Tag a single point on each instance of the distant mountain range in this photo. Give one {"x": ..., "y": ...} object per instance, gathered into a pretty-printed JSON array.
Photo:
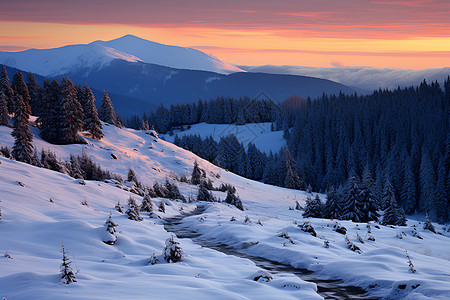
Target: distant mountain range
[
  {"x": 140, "y": 74},
  {"x": 362, "y": 79}
]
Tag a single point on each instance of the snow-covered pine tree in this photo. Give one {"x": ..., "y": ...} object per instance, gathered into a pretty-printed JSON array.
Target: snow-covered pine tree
[
  {"x": 72, "y": 121},
  {"x": 427, "y": 183},
  {"x": 408, "y": 192},
  {"x": 172, "y": 251},
  {"x": 393, "y": 215},
  {"x": 369, "y": 208},
  {"x": 23, "y": 138},
  {"x": 333, "y": 206},
  {"x": 353, "y": 205},
  {"x": 233, "y": 199},
  {"x": 440, "y": 200},
  {"x": 131, "y": 177},
  {"x": 162, "y": 207},
  {"x": 147, "y": 204},
  {"x": 4, "y": 116},
  {"x": 197, "y": 174},
  {"x": 172, "y": 191},
  {"x": 313, "y": 208},
  {"x": 204, "y": 194},
  {"x": 5, "y": 88},
  {"x": 428, "y": 225},
  {"x": 110, "y": 235},
  {"x": 67, "y": 274},
  {"x": 292, "y": 180},
  {"x": 107, "y": 112},
  {"x": 34, "y": 92},
  {"x": 92, "y": 122},
  {"x": 75, "y": 168},
  {"x": 51, "y": 115},
  {"x": 20, "y": 88},
  {"x": 133, "y": 210}
]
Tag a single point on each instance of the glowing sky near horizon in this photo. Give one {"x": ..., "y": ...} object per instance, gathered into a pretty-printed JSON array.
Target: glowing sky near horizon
[{"x": 321, "y": 33}]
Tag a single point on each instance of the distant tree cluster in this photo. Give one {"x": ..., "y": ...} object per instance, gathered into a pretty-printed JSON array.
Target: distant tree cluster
[
  {"x": 216, "y": 111},
  {"x": 279, "y": 169}
]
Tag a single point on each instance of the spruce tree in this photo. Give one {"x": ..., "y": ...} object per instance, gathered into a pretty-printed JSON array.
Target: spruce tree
[
  {"x": 106, "y": 112},
  {"x": 427, "y": 184},
  {"x": 6, "y": 89},
  {"x": 333, "y": 206},
  {"x": 233, "y": 199},
  {"x": 110, "y": 234},
  {"x": 393, "y": 215},
  {"x": 67, "y": 274},
  {"x": 72, "y": 119},
  {"x": 369, "y": 206},
  {"x": 428, "y": 225},
  {"x": 292, "y": 179},
  {"x": 314, "y": 208},
  {"x": 23, "y": 138},
  {"x": 147, "y": 204},
  {"x": 4, "y": 116},
  {"x": 353, "y": 206},
  {"x": 133, "y": 210},
  {"x": 92, "y": 123},
  {"x": 34, "y": 92},
  {"x": 20, "y": 88},
  {"x": 172, "y": 251},
  {"x": 408, "y": 191},
  {"x": 51, "y": 116},
  {"x": 197, "y": 174},
  {"x": 440, "y": 200}
]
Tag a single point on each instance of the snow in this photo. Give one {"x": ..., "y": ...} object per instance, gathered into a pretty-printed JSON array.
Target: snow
[
  {"x": 32, "y": 230},
  {"x": 57, "y": 61},
  {"x": 258, "y": 133}
]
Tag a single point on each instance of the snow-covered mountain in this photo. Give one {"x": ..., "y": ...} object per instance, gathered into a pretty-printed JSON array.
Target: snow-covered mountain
[{"x": 57, "y": 61}]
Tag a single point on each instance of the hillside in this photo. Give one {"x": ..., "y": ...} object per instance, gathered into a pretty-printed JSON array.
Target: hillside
[{"x": 32, "y": 229}]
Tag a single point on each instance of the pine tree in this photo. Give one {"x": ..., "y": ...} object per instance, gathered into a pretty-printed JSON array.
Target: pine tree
[
  {"x": 106, "y": 112},
  {"x": 51, "y": 116},
  {"x": 20, "y": 88},
  {"x": 204, "y": 194},
  {"x": 197, "y": 174},
  {"x": 72, "y": 121},
  {"x": 440, "y": 200},
  {"x": 147, "y": 204},
  {"x": 162, "y": 207},
  {"x": 292, "y": 180},
  {"x": 110, "y": 235},
  {"x": 427, "y": 184},
  {"x": 369, "y": 206},
  {"x": 393, "y": 215},
  {"x": 34, "y": 92},
  {"x": 131, "y": 177},
  {"x": 6, "y": 89},
  {"x": 333, "y": 206},
  {"x": 91, "y": 121},
  {"x": 408, "y": 192},
  {"x": 67, "y": 274},
  {"x": 4, "y": 117},
  {"x": 133, "y": 210},
  {"x": 75, "y": 168},
  {"x": 172, "y": 251},
  {"x": 428, "y": 225},
  {"x": 314, "y": 208},
  {"x": 233, "y": 199},
  {"x": 353, "y": 206},
  {"x": 23, "y": 138}
]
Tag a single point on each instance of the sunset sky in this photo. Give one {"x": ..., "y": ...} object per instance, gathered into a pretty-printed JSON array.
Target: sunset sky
[{"x": 320, "y": 33}]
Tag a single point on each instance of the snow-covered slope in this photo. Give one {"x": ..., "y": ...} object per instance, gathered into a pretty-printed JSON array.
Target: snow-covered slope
[
  {"x": 57, "y": 61},
  {"x": 52, "y": 62},
  {"x": 33, "y": 228},
  {"x": 260, "y": 134}
]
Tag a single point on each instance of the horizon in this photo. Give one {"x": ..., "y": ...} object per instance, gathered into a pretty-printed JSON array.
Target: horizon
[{"x": 379, "y": 34}]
